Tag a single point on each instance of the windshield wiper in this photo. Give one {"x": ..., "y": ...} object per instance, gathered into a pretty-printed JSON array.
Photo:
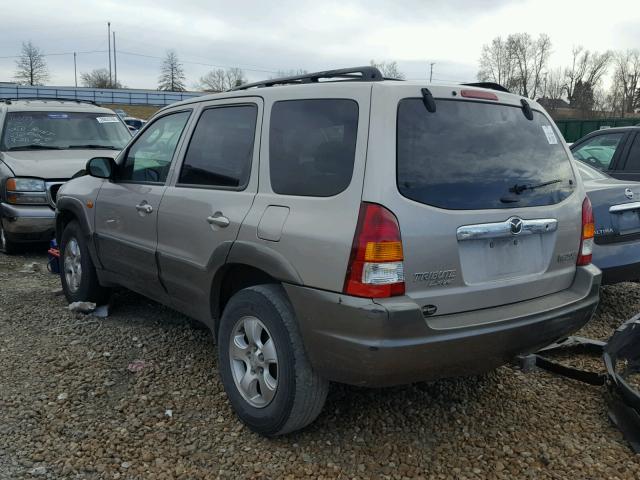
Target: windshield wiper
[
  {"x": 92, "y": 146},
  {"x": 35, "y": 146},
  {"x": 518, "y": 189}
]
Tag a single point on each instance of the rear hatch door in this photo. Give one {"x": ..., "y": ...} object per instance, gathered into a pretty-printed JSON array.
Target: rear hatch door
[{"x": 487, "y": 200}]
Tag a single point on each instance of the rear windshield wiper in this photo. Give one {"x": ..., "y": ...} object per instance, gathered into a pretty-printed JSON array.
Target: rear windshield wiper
[
  {"x": 35, "y": 146},
  {"x": 92, "y": 146},
  {"x": 518, "y": 189}
]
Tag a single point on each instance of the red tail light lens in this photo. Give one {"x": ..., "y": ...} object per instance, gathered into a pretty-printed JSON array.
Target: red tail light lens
[
  {"x": 376, "y": 268},
  {"x": 588, "y": 231}
]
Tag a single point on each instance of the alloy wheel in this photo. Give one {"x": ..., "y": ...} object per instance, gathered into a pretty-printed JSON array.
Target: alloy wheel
[
  {"x": 73, "y": 265},
  {"x": 254, "y": 361}
]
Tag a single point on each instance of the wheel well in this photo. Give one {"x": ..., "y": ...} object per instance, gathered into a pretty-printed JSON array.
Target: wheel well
[
  {"x": 232, "y": 279},
  {"x": 63, "y": 218}
]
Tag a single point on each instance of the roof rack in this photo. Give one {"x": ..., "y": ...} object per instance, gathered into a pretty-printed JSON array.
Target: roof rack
[
  {"x": 44, "y": 99},
  {"x": 355, "y": 74},
  {"x": 488, "y": 85}
]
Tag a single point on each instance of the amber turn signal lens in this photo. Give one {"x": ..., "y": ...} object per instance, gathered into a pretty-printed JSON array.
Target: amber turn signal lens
[{"x": 383, "y": 252}]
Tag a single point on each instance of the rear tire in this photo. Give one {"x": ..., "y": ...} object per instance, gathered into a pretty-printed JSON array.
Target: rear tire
[
  {"x": 6, "y": 246},
  {"x": 276, "y": 400},
  {"x": 77, "y": 272}
]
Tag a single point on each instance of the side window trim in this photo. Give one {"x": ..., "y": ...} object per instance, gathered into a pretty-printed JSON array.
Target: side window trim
[
  {"x": 122, "y": 158},
  {"x": 192, "y": 131}
]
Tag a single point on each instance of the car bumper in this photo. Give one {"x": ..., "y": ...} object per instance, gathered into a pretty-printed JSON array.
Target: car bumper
[
  {"x": 389, "y": 342},
  {"x": 29, "y": 223},
  {"x": 619, "y": 262}
]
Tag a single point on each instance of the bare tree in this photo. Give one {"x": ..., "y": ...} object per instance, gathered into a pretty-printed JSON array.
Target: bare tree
[
  {"x": 530, "y": 59},
  {"x": 553, "y": 88},
  {"x": 626, "y": 81},
  {"x": 519, "y": 63},
  {"x": 294, "y": 72},
  {"x": 586, "y": 70},
  {"x": 98, "y": 78},
  {"x": 31, "y": 67},
  {"x": 172, "y": 77},
  {"x": 388, "y": 69},
  {"x": 221, "y": 80},
  {"x": 496, "y": 63}
]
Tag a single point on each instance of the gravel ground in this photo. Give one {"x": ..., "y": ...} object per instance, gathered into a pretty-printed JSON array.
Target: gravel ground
[{"x": 71, "y": 408}]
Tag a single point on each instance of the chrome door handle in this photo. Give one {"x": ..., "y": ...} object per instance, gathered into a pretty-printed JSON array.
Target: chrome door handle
[
  {"x": 218, "y": 219},
  {"x": 144, "y": 208}
]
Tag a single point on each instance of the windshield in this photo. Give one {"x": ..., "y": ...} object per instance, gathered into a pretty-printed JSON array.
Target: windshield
[
  {"x": 62, "y": 130},
  {"x": 475, "y": 155}
]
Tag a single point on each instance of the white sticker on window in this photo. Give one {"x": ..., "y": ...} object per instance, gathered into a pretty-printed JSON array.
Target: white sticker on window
[
  {"x": 107, "y": 119},
  {"x": 551, "y": 137}
]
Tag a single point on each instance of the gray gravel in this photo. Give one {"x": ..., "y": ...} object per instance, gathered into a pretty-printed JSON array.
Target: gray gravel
[{"x": 137, "y": 395}]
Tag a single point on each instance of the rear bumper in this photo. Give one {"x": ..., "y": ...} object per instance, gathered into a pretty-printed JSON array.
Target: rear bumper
[
  {"x": 619, "y": 262},
  {"x": 28, "y": 223},
  {"x": 389, "y": 342}
]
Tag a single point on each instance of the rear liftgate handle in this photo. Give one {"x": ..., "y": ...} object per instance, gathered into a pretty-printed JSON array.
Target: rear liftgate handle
[{"x": 218, "y": 219}]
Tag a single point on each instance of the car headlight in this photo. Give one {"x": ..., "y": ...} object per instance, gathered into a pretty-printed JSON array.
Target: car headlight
[{"x": 30, "y": 191}]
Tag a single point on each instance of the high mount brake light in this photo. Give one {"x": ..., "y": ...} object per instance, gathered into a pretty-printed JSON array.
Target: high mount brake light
[
  {"x": 376, "y": 268},
  {"x": 586, "y": 238},
  {"x": 478, "y": 94}
]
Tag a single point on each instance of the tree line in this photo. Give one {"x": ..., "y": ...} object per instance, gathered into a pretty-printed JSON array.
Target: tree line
[
  {"x": 31, "y": 69},
  {"x": 520, "y": 63}
]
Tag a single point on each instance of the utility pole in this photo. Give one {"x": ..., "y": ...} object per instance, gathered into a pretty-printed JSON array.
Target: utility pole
[
  {"x": 115, "y": 63},
  {"x": 109, "y": 41},
  {"x": 431, "y": 71},
  {"x": 75, "y": 68}
]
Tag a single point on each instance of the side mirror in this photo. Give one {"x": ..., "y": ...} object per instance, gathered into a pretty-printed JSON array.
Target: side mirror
[{"x": 101, "y": 167}]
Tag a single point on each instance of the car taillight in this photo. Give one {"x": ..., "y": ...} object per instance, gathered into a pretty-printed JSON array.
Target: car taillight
[
  {"x": 588, "y": 230},
  {"x": 376, "y": 268}
]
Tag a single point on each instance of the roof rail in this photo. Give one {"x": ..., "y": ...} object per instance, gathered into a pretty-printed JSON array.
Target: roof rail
[
  {"x": 488, "y": 85},
  {"x": 44, "y": 99},
  {"x": 356, "y": 74}
]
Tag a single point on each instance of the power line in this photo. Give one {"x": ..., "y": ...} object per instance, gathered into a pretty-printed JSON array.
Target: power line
[
  {"x": 57, "y": 54},
  {"x": 123, "y": 52}
]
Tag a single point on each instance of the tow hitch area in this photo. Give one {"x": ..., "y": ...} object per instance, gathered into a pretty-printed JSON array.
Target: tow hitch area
[{"x": 621, "y": 356}]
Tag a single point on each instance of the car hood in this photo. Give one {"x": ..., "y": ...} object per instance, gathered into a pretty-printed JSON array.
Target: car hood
[{"x": 51, "y": 164}]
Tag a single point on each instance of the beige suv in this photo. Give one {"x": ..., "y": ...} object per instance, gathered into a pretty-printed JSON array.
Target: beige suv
[
  {"x": 342, "y": 228},
  {"x": 43, "y": 143}
]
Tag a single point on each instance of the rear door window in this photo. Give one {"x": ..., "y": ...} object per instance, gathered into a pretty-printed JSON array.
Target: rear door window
[
  {"x": 599, "y": 150},
  {"x": 221, "y": 148},
  {"x": 633, "y": 160},
  {"x": 474, "y": 155},
  {"x": 312, "y": 145}
]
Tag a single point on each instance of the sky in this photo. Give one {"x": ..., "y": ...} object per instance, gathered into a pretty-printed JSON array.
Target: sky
[{"x": 264, "y": 37}]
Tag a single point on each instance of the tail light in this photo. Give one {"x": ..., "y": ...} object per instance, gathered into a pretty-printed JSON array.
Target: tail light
[
  {"x": 588, "y": 230},
  {"x": 376, "y": 268}
]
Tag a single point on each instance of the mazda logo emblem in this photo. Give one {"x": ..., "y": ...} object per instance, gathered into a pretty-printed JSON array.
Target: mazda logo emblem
[
  {"x": 628, "y": 193},
  {"x": 516, "y": 225}
]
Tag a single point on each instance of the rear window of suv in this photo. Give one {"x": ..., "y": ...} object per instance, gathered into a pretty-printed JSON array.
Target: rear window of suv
[{"x": 474, "y": 155}]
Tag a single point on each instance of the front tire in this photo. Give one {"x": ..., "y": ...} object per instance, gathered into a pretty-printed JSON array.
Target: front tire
[
  {"x": 77, "y": 272},
  {"x": 264, "y": 368}
]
